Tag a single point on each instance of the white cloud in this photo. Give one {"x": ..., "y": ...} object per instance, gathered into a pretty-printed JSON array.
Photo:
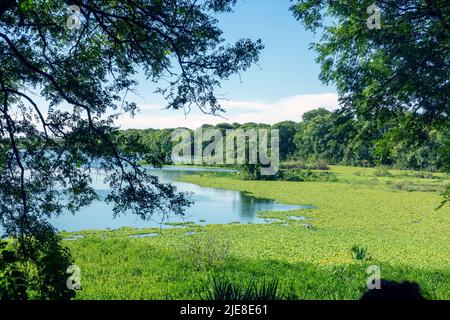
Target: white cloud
[{"x": 289, "y": 108}]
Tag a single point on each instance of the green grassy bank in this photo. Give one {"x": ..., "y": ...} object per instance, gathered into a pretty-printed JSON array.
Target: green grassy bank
[{"x": 403, "y": 233}]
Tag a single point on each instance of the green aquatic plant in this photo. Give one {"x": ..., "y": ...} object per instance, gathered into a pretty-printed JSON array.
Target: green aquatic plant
[
  {"x": 223, "y": 288},
  {"x": 359, "y": 253},
  {"x": 318, "y": 265}
]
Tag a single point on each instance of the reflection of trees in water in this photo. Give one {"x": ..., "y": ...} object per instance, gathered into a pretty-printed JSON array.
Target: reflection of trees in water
[
  {"x": 211, "y": 204},
  {"x": 247, "y": 206},
  {"x": 241, "y": 204},
  {"x": 168, "y": 175}
]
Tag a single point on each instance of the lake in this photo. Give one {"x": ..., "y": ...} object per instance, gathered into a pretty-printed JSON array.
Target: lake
[{"x": 211, "y": 206}]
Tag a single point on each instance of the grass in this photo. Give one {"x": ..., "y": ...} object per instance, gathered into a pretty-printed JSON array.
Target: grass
[{"x": 401, "y": 230}]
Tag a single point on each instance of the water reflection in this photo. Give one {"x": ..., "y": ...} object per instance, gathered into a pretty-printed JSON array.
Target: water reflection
[{"x": 210, "y": 206}]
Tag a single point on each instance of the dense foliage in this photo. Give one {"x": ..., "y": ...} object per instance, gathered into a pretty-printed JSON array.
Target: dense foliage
[
  {"x": 400, "y": 230},
  {"x": 82, "y": 62},
  {"x": 337, "y": 138},
  {"x": 393, "y": 85},
  {"x": 41, "y": 277},
  {"x": 404, "y": 65}
]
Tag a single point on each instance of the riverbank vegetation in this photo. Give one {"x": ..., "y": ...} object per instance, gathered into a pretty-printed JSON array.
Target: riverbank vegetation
[
  {"x": 400, "y": 231},
  {"x": 65, "y": 75},
  {"x": 324, "y": 137}
]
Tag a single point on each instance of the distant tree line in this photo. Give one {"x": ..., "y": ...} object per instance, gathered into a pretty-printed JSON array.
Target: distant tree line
[{"x": 335, "y": 137}]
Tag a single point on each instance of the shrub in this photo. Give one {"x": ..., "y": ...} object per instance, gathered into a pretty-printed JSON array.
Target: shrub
[
  {"x": 382, "y": 172},
  {"x": 301, "y": 164},
  {"x": 305, "y": 175},
  {"x": 410, "y": 186},
  {"x": 12, "y": 279},
  {"x": 43, "y": 276},
  {"x": 403, "y": 185},
  {"x": 424, "y": 175},
  {"x": 321, "y": 165},
  {"x": 206, "y": 252}
]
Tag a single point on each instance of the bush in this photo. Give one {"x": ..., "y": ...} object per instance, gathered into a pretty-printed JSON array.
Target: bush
[
  {"x": 253, "y": 172},
  {"x": 206, "y": 252},
  {"x": 40, "y": 276},
  {"x": 382, "y": 172},
  {"x": 12, "y": 279},
  {"x": 301, "y": 165},
  {"x": 424, "y": 175},
  {"x": 305, "y": 175},
  {"x": 410, "y": 186},
  {"x": 321, "y": 165},
  {"x": 403, "y": 185}
]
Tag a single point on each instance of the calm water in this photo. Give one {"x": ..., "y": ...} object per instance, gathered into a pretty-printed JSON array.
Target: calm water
[{"x": 210, "y": 206}]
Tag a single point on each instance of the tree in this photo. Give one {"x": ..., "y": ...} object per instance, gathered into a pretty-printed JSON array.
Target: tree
[
  {"x": 315, "y": 138},
  {"x": 312, "y": 114},
  {"x": 288, "y": 129},
  {"x": 405, "y": 65},
  {"x": 381, "y": 73},
  {"x": 48, "y": 151},
  {"x": 342, "y": 137},
  {"x": 153, "y": 146}
]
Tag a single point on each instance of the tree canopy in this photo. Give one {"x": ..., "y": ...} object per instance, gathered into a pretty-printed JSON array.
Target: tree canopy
[
  {"x": 404, "y": 65},
  {"x": 380, "y": 73},
  {"x": 83, "y": 64}
]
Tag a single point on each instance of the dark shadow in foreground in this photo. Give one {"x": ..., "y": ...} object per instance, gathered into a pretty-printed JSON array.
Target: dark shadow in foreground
[{"x": 392, "y": 290}]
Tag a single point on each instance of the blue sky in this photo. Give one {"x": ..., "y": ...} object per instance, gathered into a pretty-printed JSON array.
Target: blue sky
[
  {"x": 287, "y": 66},
  {"x": 282, "y": 86}
]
